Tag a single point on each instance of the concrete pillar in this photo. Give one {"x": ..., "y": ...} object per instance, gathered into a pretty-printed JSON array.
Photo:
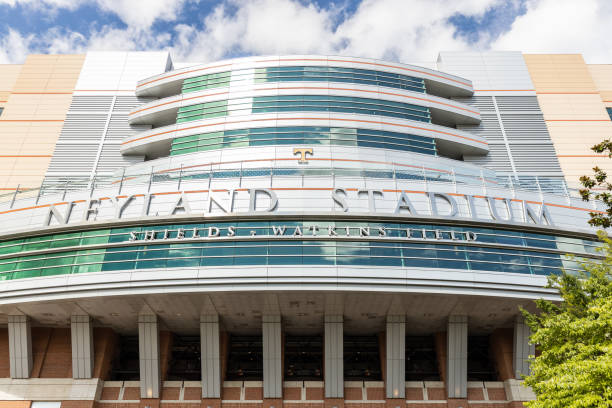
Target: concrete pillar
[
  {"x": 210, "y": 357},
  {"x": 81, "y": 331},
  {"x": 396, "y": 356},
  {"x": 456, "y": 363},
  {"x": 272, "y": 357},
  {"x": 334, "y": 356},
  {"x": 522, "y": 348},
  {"x": 148, "y": 352},
  {"x": 20, "y": 346}
]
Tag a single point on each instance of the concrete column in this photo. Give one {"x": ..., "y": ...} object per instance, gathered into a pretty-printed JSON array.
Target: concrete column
[
  {"x": 456, "y": 363},
  {"x": 334, "y": 356},
  {"x": 148, "y": 352},
  {"x": 272, "y": 356},
  {"x": 522, "y": 348},
  {"x": 20, "y": 346},
  {"x": 81, "y": 331},
  {"x": 396, "y": 356},
  {"x": 210, "y": 356}
]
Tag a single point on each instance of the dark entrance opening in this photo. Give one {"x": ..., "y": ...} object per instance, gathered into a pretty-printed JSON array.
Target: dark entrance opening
[
  {"x": 421, "y": 359},
  {"x": 185, "y": 364},
  {"x": 303, "y": 358},
  {"x": 126, "y": 365},
  {"x": 480, "y": 365},
  {"x": 362, "y": 358},
  {"x": 245, "y": 359}
]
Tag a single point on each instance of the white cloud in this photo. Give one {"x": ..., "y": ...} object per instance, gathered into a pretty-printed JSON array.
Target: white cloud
[
  {"x": 395, "y": 29},
  {"x": 258, "y": 27},
  {"x": 134, "y": 13},
  {"x": 14, "y": 47},
  {"x": 142, "y": 13},
  {"x": 407, "y": 31},
  {"x": 562, "y": 26},
  {"x": 42, "y": 4}
]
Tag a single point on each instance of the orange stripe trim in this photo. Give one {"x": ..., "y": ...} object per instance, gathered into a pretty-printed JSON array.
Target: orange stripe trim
[
  {"x": 316, "y": 59},
  {"x": 318, "y": 87},
  {"x": 567, "y": 93},
  {"x": 368, "y": 91},
  {"x": 504, "y": 90},
  {"x": 582, "y": 155},
  {"x": 41, "y": 93},
  {"x": 277, "y": 119},
  {"x": 25, "y": 155},
  {"x": 293, "y": 158},
  {"x": 577, "y": 120},
  {"x": 31, "y": 120},
  {"x": 374, "y": 64},
  {"x": 178, "y": 101},
  {"x": 181, "y": 73},
  {"x": 103, "y": 90},
  {"x": 301, "y": 189}
]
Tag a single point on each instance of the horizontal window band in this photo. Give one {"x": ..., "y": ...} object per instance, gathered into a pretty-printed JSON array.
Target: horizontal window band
[
  {"x": 350, "y": 229},
  {"x": 300, "y": 103},
  {"x": 326, "y": 60},
  {"x": 378, "y": 122}
]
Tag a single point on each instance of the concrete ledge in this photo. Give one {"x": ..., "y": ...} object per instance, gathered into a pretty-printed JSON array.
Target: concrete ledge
[
  {"x": 49, "y": 389},
  {"x": 516, "y": 390}
]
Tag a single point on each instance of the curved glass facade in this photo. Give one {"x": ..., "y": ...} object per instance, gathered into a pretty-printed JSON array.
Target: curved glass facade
[
  {"x": 303, "y": 135},
  {"x": 305, "y": 74},
  {"x": 292, "y": 243},
  {"x": 304, "y": 103}
]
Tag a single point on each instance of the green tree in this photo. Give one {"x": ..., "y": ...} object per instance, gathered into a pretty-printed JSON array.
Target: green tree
[
  {"x": 574, "y": 337},
  {"x": 598, "y": 187}
]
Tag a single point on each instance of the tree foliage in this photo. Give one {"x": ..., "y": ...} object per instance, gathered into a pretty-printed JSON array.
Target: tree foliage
[
  {"x": 574, "y": 337},
  {"x": 599, "y": 187}
]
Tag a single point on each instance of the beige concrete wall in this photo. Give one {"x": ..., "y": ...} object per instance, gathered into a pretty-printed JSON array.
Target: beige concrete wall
[
  {"x": 8, "y": 76},
  {"x": 573, "y": 109},
  {"x": 602, "y": 77},
  {"x": 33, "y": 116}
]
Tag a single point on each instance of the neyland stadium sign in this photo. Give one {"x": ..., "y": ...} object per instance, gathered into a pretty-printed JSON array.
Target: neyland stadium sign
[{"x": 265, "y": 201}]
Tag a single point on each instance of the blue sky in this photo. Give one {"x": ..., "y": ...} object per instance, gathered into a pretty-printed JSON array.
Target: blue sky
[{"x": 404, "y": 30}]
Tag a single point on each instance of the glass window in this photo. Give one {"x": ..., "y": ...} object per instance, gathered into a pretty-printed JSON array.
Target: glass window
[
  {"x": 314, "y": 103},
  {"x": 245, "y": 358},
  {"x": 529, "y": 253},
  {"x": 303, "y": 358},
  {"x": 361, "y": 358}
]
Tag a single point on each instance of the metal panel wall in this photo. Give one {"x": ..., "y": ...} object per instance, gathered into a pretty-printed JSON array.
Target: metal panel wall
[
  {"x": 334, "y": 356},
  {"x": 20, "y": 346},
  {"x": 396, "y": 356},
  {"x": 512, "y": 121},
  {"x": 522, "y": 348},
  {"x": 272, "y": 356},
  {"x": 91, "y": 137},
  {"x": 148, "y": 352},
  {"x": 81, "y": 331},
  {"x": 456, "y": 341},
  {"x": 210, "y": 357}
]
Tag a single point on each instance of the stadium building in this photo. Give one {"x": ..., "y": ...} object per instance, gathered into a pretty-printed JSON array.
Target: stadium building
[{"x": 287, "y": 231}]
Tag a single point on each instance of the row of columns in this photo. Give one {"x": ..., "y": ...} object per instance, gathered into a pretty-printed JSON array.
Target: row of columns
[{"x": 20, "y": 351}]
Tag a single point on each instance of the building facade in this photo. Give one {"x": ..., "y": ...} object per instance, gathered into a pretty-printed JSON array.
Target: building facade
[{"x": 287, "y": 231}]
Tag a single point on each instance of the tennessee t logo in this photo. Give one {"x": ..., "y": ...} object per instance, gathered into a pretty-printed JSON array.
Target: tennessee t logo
[{"x": 302, "y": 152}]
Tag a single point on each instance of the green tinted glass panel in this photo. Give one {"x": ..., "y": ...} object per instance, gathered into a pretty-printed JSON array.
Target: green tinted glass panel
[
  {"x": 306, "y": 74},
  {"x": 304, "y": 135},
  {"x": 453, "y": 254},
  {"x": 305, "y": 103}
]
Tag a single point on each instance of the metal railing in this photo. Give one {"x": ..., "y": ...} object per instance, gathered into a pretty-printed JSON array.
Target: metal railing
[{"x": 532, "y": 184}]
